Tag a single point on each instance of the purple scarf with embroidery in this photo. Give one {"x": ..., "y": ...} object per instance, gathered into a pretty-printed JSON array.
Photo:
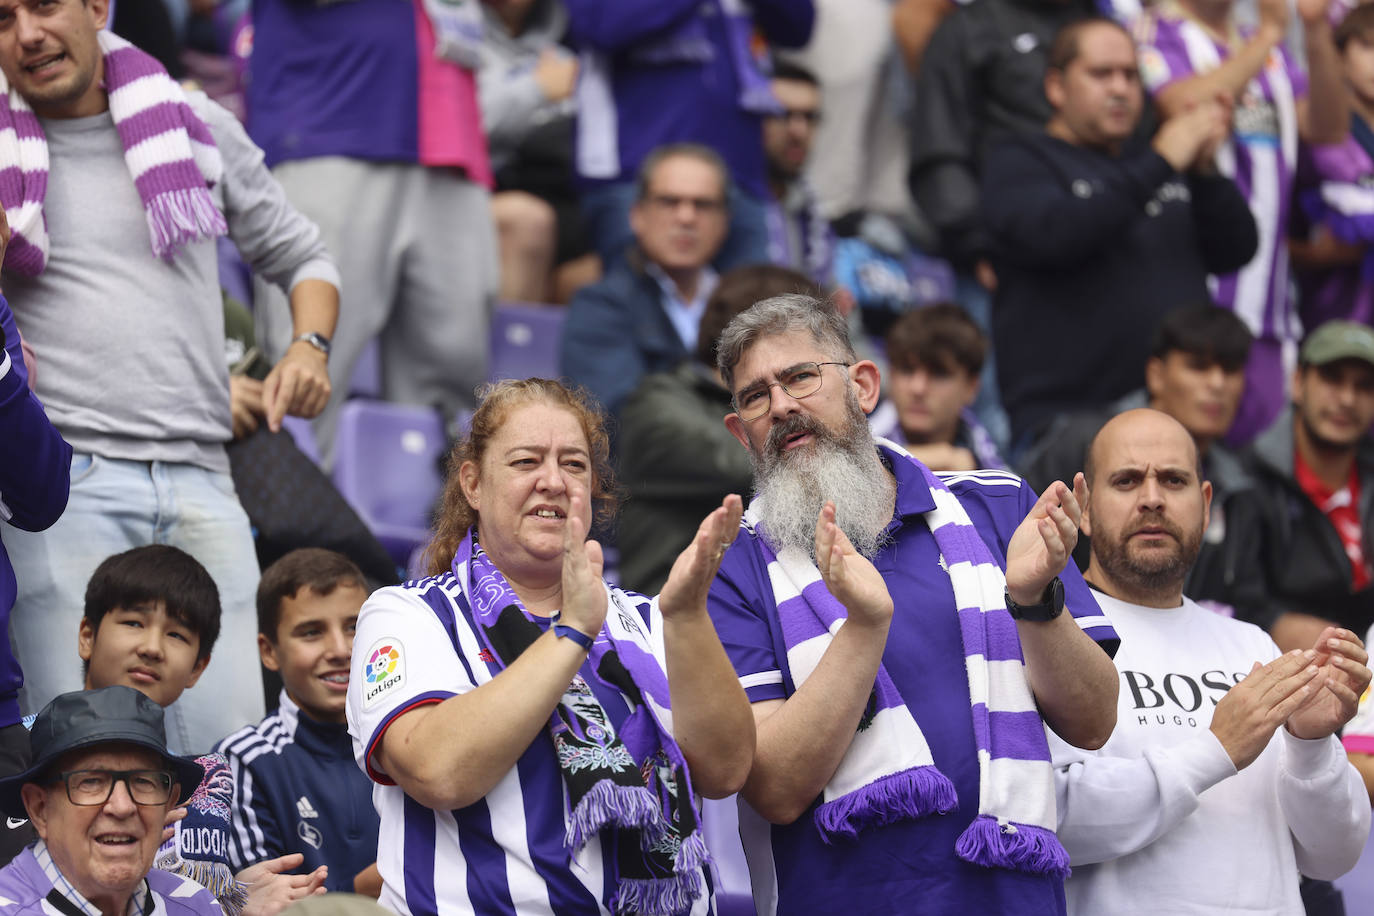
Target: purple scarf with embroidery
[{"x": 630, "y": 785}]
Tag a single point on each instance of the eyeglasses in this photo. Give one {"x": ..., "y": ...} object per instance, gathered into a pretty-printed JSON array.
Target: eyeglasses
[
  {"x": 812, "y": 116},
  {"x": 799, "y": 381},
  {"x": 94, "y": 787},
  {"x": 672, "y": 202}
]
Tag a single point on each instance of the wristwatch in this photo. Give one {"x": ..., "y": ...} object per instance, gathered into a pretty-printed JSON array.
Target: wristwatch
[
  {"x": 1049, "y": 608},
  {"x": 318, "y": 341}
]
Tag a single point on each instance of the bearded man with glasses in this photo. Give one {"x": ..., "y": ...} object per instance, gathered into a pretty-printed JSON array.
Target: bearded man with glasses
[
  {"x": 901, "y": 638},
  {"x": 98, "y": 793}
]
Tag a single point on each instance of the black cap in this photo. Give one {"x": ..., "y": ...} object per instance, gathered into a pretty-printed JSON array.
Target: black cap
[{"x": 89, "y": 718}]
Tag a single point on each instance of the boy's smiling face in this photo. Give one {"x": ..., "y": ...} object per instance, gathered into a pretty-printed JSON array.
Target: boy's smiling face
[
  {"x": 144, "y": 648},
  {"x": 312, "y": 649}
]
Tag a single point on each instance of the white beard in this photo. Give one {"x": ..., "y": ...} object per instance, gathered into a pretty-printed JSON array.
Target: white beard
[{"x": 843, "y": 468}]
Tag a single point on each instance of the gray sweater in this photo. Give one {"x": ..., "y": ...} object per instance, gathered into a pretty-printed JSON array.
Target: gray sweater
[{"x": 132, "y": 346}]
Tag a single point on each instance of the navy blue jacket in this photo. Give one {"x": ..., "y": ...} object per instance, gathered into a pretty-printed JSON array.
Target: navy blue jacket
[
  {"x": 35, "y": 475},
  {"x": 616, "y": 333},
  {"x": 297, "y": 788}
]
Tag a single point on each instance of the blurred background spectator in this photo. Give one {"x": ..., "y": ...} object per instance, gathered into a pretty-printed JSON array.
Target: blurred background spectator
[{"x": 676, "y": 456}]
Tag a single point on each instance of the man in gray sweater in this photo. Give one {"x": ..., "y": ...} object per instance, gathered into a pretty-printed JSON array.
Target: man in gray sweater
[{"x": 113, "y": 280}]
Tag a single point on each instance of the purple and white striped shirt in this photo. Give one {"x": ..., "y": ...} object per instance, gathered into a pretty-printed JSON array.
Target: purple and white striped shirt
[
  {"x": 1260, "y": 156},
  {"x": 417, "y": 644}
]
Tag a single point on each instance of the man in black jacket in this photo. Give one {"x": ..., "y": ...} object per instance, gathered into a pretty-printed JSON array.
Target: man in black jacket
[
  {"x": 1312, "y": 518},
  {"x": 1097, "y": 237},
  {"x": 980, "y": 82}
]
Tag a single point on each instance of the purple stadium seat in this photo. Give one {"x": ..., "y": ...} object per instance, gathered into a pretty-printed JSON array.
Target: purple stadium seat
[
  {"x": 720, "y": 829},
  {"x": 366, "y": 380},
  {"x": 385, "y": 465},
  {"x": 235, "y": 278},
  {"x": 1358, "y": 884},
  {"x": 524, "y": 341}
]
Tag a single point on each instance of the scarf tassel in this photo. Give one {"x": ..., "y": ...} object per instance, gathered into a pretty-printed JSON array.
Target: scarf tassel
[
  {"x": 215, "y": 877},
  {"x": 911, "y": 793},
  {"x": 657, "y": 896},
  {"x": 1021, "y": 847},
  {"x": 691, "y": 854},
  {"x": 181, "y": 216},
  {"x": 609, "y": 805}
]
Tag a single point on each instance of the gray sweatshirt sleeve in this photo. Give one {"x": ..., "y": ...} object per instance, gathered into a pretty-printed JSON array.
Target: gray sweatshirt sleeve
[
  {"x": 274, "y": 237},
  {"x": 510, "y": 98}
]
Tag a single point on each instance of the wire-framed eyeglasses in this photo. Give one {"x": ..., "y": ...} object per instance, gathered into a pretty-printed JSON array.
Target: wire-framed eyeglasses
[
  {"x": 94, "y": 787},
  {"x": 799, "y": 381}
]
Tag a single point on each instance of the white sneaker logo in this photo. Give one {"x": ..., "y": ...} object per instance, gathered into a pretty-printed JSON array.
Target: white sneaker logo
[
  {"x": 14, "y": 823},
  {"x": 305, "y": 809}
]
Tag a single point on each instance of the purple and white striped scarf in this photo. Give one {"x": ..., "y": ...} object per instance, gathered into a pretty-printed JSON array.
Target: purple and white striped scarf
[
  {"x": 888, "y": 773},
  {"x": 632, "y": 784},
  {"x": 169, "y": 151}
]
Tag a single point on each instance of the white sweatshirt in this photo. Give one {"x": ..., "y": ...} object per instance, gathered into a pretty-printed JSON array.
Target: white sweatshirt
[{"x": 1159, "y": 821}]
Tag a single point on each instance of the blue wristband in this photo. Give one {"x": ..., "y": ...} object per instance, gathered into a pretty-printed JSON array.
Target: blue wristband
[{"x": 563, "y": 631}]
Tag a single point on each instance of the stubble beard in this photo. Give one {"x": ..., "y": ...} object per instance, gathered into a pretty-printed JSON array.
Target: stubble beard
[{"x": 1148, "y": 572}]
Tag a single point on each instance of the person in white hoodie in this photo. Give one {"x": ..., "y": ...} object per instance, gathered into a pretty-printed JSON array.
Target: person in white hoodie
[{"x": 1224, "y": 779}]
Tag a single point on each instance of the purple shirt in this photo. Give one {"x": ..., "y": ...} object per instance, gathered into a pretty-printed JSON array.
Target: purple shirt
[
  {"x": 360, "y": 80},
  {"x": 909, "y": 866},
  {"x": 26, "y": 886},
  {"x": 1335, "y": 191},
  {"x": 1260, "y": 156}
]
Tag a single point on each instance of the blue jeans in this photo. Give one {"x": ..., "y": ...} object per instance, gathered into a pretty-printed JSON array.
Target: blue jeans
[
  {"x": 606, "y": 212},
  {"x": 116, "y": 505}
]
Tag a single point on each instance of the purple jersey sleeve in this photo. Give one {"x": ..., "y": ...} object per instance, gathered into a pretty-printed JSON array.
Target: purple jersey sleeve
[
  {"x": 740, "y": 605},
  {"x": 1162, "y": 53}
]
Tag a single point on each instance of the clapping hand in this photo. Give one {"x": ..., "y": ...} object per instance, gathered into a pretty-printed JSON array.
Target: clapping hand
[
  {"x": 695, "y": 568},
  {"x": 1044, "y": 540},
  {"x": 1341, "y": 662},
  {"x": 848, "y": 574}
]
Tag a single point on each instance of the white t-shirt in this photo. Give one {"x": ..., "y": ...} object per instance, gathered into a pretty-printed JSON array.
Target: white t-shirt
[{"x": 1159, "y": 821}]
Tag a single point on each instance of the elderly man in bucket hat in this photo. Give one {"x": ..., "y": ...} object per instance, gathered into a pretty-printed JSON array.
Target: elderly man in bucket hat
[{"x": 98, "y": 793}]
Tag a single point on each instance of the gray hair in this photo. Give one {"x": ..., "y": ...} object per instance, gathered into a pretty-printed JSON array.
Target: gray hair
[
  {"x": 780, "y": 315},
  {"x": 697, "y": 151}
]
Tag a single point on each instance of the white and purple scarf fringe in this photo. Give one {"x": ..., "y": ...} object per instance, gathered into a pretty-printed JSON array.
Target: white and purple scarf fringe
[
  {"x": 644, "y": 733},
  {"x": 888, "y": 773},
  {"x": 168, "y": 149}
]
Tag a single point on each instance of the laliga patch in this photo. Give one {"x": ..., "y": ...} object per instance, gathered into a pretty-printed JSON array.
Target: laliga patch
[
  {"x": 384, "y": 672},
  {"x": 1154, "y": 70}
]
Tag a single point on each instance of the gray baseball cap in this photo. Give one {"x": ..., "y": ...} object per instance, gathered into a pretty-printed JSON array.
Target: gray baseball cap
[
  {"x": 88, "y": 718},
  {"x": 1337, "y": 340}
]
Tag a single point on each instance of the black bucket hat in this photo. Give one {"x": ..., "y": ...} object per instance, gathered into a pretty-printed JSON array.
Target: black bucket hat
[{"x": 87, "y": 718}]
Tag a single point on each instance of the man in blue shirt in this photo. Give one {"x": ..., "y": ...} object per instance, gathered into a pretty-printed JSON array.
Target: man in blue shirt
[{"x": 642, "y": 317}]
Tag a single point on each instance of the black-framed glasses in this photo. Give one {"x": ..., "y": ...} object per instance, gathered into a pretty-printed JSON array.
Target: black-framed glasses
[
  {"x": 94, "y": 787},
  {"x": 799, "y": 381},
  {"x": 671, "y": 203}
]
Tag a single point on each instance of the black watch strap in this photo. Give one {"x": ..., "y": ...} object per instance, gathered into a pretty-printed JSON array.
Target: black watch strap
[{"x": 1048, "y": 609}]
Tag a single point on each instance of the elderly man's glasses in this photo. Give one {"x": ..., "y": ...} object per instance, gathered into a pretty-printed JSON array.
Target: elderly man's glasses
[
  {"x": 94, "y": 787},
  {"x": 800, "y": 381}
]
